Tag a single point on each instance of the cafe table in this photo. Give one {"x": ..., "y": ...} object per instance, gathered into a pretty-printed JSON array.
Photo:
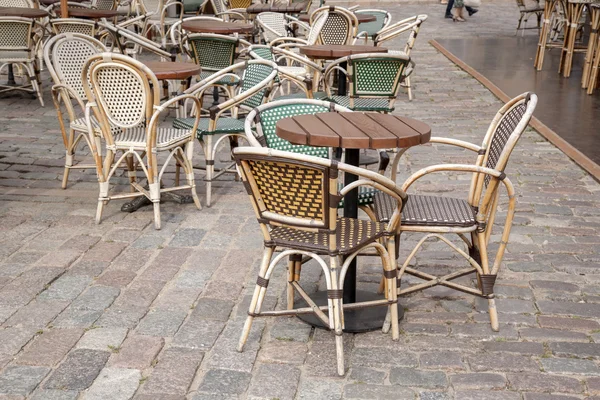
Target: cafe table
[
  {"x": 294, "y": 8},
  {"x": 219, "y": 27},
  {"x": 90, "y": 13},
  {"x": 353, "y": 131},
  {"x": 362, "y": 18}
]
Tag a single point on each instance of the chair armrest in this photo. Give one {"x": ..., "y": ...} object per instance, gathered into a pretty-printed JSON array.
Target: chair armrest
[
  {"x": 237, "y": 14},
  {"x": 288, "y": 41},
  {"x": 448, "y": 168},
  {"x": 295, "y": 57},
  {"x": 72, "y": 95},
  {"x": 455, "y": 142},
  {"x": 177, "y": 99}
]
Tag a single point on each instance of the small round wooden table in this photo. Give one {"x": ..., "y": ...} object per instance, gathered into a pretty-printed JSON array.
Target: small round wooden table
[
  {"x": 222, "y": 28},
  {"x": 90, "y": 13},
  {"x": 294, "y": 8},
  {"x": 333, "y": 52},
  {"x": 353, "y": 131},
  {"x": 23, "y": 12},
  {"x": 173, "y": 70},
  {"x": 362, "y": 18}
]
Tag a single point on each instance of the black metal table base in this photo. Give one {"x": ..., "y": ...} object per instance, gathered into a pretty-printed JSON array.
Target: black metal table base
[
  {"x": 142, "y": 201},
  {"x": 357, "y": 320}
]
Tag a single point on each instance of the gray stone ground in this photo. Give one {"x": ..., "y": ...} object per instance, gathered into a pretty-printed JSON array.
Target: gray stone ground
[{"x": 120, "y": 310}]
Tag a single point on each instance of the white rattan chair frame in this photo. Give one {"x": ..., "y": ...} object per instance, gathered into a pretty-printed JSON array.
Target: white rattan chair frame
[
  {"x": 272, "y": 25},
  {"x": 232, "y": 106},
  {"x": 68, "y": 93},
  {"x": 131, "y": 43},
  {"x": 386, "y": 23},
  {"x": 334, "y": 269},
  {"x": 484, "y": 193},
  {"x": 73, "y": 25},
  {"x": 126, "y": 95},
  {"x": 18, "y": 47}
]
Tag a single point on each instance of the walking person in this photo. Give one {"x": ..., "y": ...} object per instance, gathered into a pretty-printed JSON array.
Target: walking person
[{"x": 450, "y": 5}]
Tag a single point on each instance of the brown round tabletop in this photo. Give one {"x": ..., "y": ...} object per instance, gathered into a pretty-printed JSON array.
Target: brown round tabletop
[
  {"x": 362, "y": 18},
  {"x": 223, "y": 28},
  {"x": 173, "y": 70},
  {"x": 294, "y": 8},
  {"x": 90, "y": 13},
  {"x": 22, "y": 12},
  {"x": 332, "y": 52},
  {"x": 353, "y": 130},
  {"x": 50, "y": 2}
]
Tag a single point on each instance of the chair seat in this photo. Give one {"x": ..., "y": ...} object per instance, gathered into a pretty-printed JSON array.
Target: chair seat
[
  {"x": 363, "y": 104},
  {"x": 352, "y": 234},
  {"x": 168, "y": 20},
  {"x": 224, "y": 125},
  {"x": 294, "y": 71},
  {"x": 16, "y": 55},
  {"x": 166, "y": 138},
  {"x": 366, "y": 195},
  {"x": 426, "y": 210},
  {"x": 229, "y": 81}
]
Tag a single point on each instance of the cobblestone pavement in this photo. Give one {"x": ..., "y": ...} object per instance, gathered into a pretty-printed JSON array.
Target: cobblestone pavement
[{"x": 120, "y": 310}]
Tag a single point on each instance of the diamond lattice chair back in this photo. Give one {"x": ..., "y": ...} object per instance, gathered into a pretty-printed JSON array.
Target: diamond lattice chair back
[
  {"x": 65, "y": 55},
  {"x": 73, "y": 25},
  {"x": 473, "y": 217},
  {"x": 17, "y": 47},
  {"x": 126, "y": 96},
  {"x": 374, "y": 80},
  {"x": 339, "y": 27},
  {"x": 16, "y": 3},
  {"x": 295, "y": 199}
]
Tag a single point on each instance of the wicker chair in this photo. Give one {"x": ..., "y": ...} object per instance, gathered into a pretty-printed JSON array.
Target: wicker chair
[
  {"x": 374, "y": 80},
  {"x": 272, "y": 25},
  {"x": 73, "y": 25},
  {"x": 313, "y": 35},
  {"x": 158, "y": 22},
  {"x": 221, "y": 10},
  {"x": 295, "y": 198},
  {"x": 298, "y": 70},
  {"x": 128, "y": 42},
  {"x": 340, "y": 26},
  {"x": 16, "y": 3},
  {"x": 253, "y": 88},
  {"x": 525, "y": 11},
  {"x": 17, "y": 47},
  {"x": 409, "y": 25},
  {"x": 474, "y": 216},
  {"x": 369, "y": 30},
  {"x": 64, "y": 55},
  {"x": 214, "y": 53},
  {"x": 127, "y": 96}
]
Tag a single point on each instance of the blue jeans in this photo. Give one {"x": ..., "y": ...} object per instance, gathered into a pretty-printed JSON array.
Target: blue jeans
[{"x": 451, "y": 4}]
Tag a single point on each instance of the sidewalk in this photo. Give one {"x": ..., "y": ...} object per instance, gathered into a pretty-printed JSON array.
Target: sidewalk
[{"x": 119, "y": 310}]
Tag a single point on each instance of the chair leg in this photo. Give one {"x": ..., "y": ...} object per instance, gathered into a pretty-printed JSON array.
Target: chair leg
[
  {"x": 257, "y": 298},
  {"x": 519, "y": 25},
  {"x": 493, "y": 315},
  {"x": 210, "y": 168},
  {"x": 338, "y": 316},
  {"x": 33, "y": 80},
  {"x": 189, "y": 172},
  {"x": 290, "y": 286},
  {"x": 68, "y": 164},
  {"x": 409, "y": 88},
  {"x": 390, "y": 268}
]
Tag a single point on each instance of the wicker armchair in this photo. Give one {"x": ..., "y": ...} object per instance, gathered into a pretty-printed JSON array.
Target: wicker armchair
[
  {"x": 254, "y": 87},
  {"x": 158, "y": 22},
  {"x": 295, "y": 198},
  {"x": 126, "y": 41},
  {"x": 408, "y": 26},
  {"x": 272, "y": 25},
  {"x": 127, "y": 96},
  {"x": 17, "y": 47},
  {"x": 475, "y": 216},
  {"x": 221, "y": 10},
  {"x": 340, "y": 25},
  {"x": 64, "y": 55},
  {"x": 526, "y": 10},
  {"x": 299, "y": 70},
  {"x": 74, "y": 25},
  {"x": 369, "y": 30},
  {"x": 374, "y": 80}
]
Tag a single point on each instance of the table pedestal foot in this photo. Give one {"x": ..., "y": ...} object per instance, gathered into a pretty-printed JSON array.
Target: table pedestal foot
[
  {"x": 358, "y": 320},
  {"x": 142, "y": 201}
]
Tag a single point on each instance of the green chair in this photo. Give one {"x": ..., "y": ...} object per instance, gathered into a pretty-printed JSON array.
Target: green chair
[
  {"x": 369, "y": 30},
  {"x": 374, "y": 80},
  {"x": 250, "y": 92}
]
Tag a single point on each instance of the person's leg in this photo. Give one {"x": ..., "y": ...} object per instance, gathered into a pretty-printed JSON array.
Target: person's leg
[
  {"x": 449, "y": 9},
  {"x": 471, "y": 10}
]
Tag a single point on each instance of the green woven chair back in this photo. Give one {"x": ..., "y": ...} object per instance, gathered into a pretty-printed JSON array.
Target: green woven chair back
[
  {"x": 265, "y": 53},
  {"x": 376, "y": 76},
  {"x": 254, "y": 74},
  {"x": 212, "y": 53},
  {"x": 374, "y": 26},
  {"x": 267, "y": 119}
]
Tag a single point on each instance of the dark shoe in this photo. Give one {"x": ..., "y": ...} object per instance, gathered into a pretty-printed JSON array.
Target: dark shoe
[
  {"x": 448, "y": 16},
  {"x": 473, "y": 11},
  {"x": 136, "y": 204}
]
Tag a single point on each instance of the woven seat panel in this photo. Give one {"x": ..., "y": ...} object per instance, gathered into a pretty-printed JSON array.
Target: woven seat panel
[
  {"x": 366, "y": 195},
  {"x": 363, "y": 104},
  {"x": 426, "y": 210},
  {"x": 376, "y": 77},
  {"x": 351, "y": 235},
  {"x": 270, "y": 117},
  {"x": 80, "y": 125},
  {"x": 295, "y": 71},
  {"x": 335, "y": 30},
  {"x": 224, "y": 125},
  {"x": 165, "y": 137},
  {"x": 229, "y": 81},
  {"x": 15, "y": 55},
  {"x": 84, "y": 29}
]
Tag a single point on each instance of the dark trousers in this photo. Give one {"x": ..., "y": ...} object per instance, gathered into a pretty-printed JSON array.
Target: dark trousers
[{"x": 451, "y": 4}]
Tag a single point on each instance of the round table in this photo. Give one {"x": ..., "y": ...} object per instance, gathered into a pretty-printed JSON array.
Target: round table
[
  {"x": 362, "y": 18},
  {"x": 294, "y": 8},
  {"x": 353, "y": 131},
  {"x": 173, "y": 70},
  {"x": 90, "y": 13},
  {"x": 222, "y": 28},
  {"x": 23, "y": 12},
  {"x": 335, "y": 51}
]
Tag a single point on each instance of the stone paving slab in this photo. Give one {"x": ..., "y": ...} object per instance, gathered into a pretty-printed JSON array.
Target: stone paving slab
[{"x": 119, "y": 310}]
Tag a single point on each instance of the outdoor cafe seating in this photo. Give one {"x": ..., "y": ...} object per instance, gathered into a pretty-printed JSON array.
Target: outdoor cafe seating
[{"x": 287, "y": 102}]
